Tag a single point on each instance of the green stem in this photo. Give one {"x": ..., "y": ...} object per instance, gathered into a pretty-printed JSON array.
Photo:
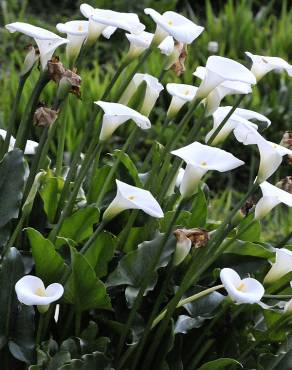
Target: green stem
[
  {"x": 93, "y": 237},
  {"x": 114, "y": 167},
  {"x": 145, "y": 282},
  {"x": 218, "y": 129},
  {"x": 40, "y": 329},
  {"x": 27, "y": 117},
  {"x": 13, "y": 115},
  {"x": 184, "y": 301},
  {"x": 204, "y": 349},
  {"x": 77, "y": 323},
  {"x": 61, "y": 142},
  {"x": 77, "y": 184},
  {"x": 147, "y": 329}
]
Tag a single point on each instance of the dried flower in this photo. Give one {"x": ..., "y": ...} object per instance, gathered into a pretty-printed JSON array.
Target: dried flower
[
  {"x": 285, "y": 184},
  {"x": 287, "y": 143},
  {"x": 44, "y": 116},
  {"x": 56, "y": 69}
]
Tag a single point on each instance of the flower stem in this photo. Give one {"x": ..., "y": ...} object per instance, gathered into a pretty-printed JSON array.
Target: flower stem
[
  {"x": 184, "y": 301},
  {"x": 226, "y": 118},
  {"x": 61, "y": 142},
  {"x": 77, "y": 323},
  {"x": 23, "y": 129},
  {"x": 12, "y": 119},
  {"x": 77, "y": 184},
  {"x": 40, "y": 329},
  {"x": 114, "y": 167},
  {"x": 145, "y": 281}
]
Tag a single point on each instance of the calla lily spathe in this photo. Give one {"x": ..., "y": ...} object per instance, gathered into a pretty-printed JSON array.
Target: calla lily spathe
[
  {"x": 30, "y": 290},
  {"x": 272, "y": 196},
  {"x": 215, "y": 97},
  {"x": 166, "y": 46},
  {"x": 153, "y": 89},
  {"x": 95, "y": 29},
  {"x": 175, "y": 25},
  {"x": 138, "y": 43},
  {"x": 201, "y": 158},
  {"x": 116, "y": 114},
  {"x": 271, "y": 154},
  {"x": 281, "y": 266},
  {"x": 30, "y": 147},
  {"x": 77, "y": 32},
  {"x": 239, "y": 117},
  {"x": 261, "y": 65},
  {"x": 46, "y": 41},
  {"x": 181, "y": 94},
  {"x": 131, "y": 197},
  {"x": 241, "y": 291},
  {"x": 218, "y": 70},
  {"x": 100, "y": 19}
]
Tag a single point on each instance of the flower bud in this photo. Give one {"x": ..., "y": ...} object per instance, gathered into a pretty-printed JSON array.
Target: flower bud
[
  {"x": 31, "y": 57},
  {"x": 44, "y": 116}
]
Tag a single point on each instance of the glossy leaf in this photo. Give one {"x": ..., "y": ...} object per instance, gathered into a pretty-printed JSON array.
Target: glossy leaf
[
  {"x": 50, "y": 193},
  {"x": 84, "y": 289},
  {"x": 12, "y": 177},
  {"x": 199, "y": 210},
  {"x": 50, "y": 266},
  {"x": 129, "y": 165},
  {"x": 220, "y": 364}
]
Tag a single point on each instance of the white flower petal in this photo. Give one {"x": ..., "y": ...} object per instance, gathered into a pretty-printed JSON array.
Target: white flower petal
[
  {"x": 30, "y": 290},
  {"x": 47, "y": 41},
  {"x": 167, "y": 46},
  {"x": 109, "y": 31},
  {"x": 281, "y": 267},
  {"x": 219, "y": 70},
  {"x": 116, "y": 114},
  {"x": 261, "y": 65},
  {"x": 176, "y": 25},
  {"x": 241, "y": 291},
  {"x": 181, "y": 94},
  {"x": 131, "y": 197}
]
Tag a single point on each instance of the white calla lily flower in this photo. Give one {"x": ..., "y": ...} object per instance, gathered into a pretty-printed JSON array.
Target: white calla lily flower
[
  {"x": 30, "y": 290},
  {"x": 218, "y": 70},
  {"x": 215, "y": 97},
  {"x": 108, "y": 18},
  {"x": 239, "y": 117},
  {"x": 261, "y": 65},
  {"x": 201, "y": 158},
  {"x": 271, "y": 154},
  {"x": 241, "y": 291},
  {"x": 46, "y": 41},
  {"x": 116, "y": 114},
  {"x": 281, "y": 266},
  {"x": 95, "y": 29},
  {"x": 77, "y": 32},
  {"x": 272, "y": 196},
  {"x": 138, "y": 43},
  {"x": 181, "y": 94},
  {"x": 153, "y": 89},
  {"x": 166, "y": 47},
  {"x": 175, "y": 25},
  {"x": 30, "y": 147},
  {"x": 131, "y": 197}
]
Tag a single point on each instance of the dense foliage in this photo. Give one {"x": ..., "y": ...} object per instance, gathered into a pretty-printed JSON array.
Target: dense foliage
[{"x": 151, "y": 261}]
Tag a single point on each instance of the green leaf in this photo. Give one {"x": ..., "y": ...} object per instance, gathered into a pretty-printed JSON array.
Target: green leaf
[
  {"x": 12, "y": 177},
  {"x": 27, "y": 206},
  {"x": 101, "y": 252},
  {"x": 246, "y": 248},
  {"x": 130, "y": 166},
  {"x": 95, "y": 360},
  {"x": 79, "y": 225},
  {"x": 99, "y": 176},
  {"x": 50, "y": 266},
  {"x": 50, "y": 193},
  {"x": 16, "y": 322},
  {"x": 84, "y": 289},
  {"x": 253, "y": 233},
  {"x": 199, "y": 211},
  {"x": 134, "y": 266},
  {"x": 181, "y": 220},
  {"x": 186, "y": 323},
  {"x": 220, "y": 364}
]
